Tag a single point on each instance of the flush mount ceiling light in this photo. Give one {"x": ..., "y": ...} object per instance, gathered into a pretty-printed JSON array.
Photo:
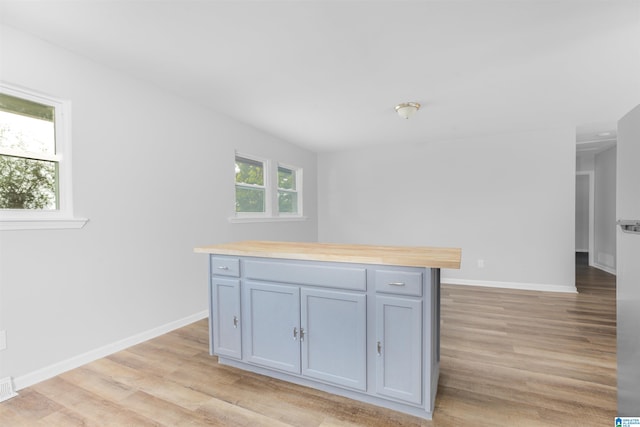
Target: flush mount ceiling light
[{"x": 407, "y": 109}]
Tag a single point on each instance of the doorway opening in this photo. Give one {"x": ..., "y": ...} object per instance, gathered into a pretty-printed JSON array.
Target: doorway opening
[{"x": 595, "y": 192}]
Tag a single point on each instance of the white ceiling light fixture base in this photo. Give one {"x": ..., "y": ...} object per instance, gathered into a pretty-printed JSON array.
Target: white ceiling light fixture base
[{"x": 407, "y": 109}]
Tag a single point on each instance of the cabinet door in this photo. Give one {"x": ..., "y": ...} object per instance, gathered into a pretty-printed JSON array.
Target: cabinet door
[
  {"x": 399, "y": 348},
  {"x": 271, "y": 316},
  {"x": 226, "y": 329},
  {"x": 334, "y": 342}
]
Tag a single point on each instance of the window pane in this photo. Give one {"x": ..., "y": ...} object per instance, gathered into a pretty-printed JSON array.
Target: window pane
[
  {"x": 286, "y": 179},
  {"x": 27, "y": 183},
  {"x": 249, "y": 199},
  {"x": 287, "y": 202},
  {"x": 26, "y": 125},
  {"x": 249, "y": 171}
]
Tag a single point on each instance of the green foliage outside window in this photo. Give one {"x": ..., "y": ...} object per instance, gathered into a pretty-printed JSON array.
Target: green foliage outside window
[
  {"x": 25, "y": 182},
  {"x": 250, "y": 192},
  {"x": 287, "y": 202},
  {"x": 286, "y": 179},
  {"x": 287, "y": 194}
]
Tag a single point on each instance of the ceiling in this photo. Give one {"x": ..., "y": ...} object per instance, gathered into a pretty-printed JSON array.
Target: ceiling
[
  {"x": 326, "y": 74},
  {"x": 594, "y": 139}
]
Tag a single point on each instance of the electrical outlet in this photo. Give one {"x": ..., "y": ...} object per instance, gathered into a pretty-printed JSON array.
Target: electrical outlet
[
  {"x": 3, "y": 340},
  {"x": 480, "y": 263}
]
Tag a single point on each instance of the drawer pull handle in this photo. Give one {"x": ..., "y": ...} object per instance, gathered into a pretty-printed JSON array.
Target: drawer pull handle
[
  {"x": 223, "y": 267},
  {"x": 379, "y": 348},
  {"x": 295, "y": 333},
  {"x": 301, "y": 334},
  {"x": 396, "y": 283},
  {"x": 235, "y": 321}
]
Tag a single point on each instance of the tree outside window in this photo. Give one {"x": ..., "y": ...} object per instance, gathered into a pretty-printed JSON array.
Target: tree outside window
[
  {"x": 287, "y": 191},
  {"x": 29, "y": 167},
  {"x": 250, "y": 188},
  {"x": 266, "y": 190}
]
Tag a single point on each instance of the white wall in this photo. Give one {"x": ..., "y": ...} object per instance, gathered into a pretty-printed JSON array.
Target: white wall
[
  {"x": 582, "y": 213},
  {"x": 154, "y": 175},
  {"x": 585, "y": 163},
  {"x": 506, "y": 199},
  {"x": 605, "y": 210}
]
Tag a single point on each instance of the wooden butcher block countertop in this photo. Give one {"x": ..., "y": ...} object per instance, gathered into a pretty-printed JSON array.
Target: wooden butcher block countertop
[{"x": 410, "y": 256}]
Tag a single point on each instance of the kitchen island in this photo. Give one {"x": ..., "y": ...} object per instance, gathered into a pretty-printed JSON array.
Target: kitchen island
[{"x": 359, "y": 321}]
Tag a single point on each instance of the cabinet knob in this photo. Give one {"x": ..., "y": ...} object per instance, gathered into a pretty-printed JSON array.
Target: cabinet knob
[
  {"x": 396, "y": 284},
  {"x": 295, "y": 333},
  {"x": 235, "y": 321},
  {"x": 223, "y": 267},
  {"x": 379, "y": 348},
  {"x": 301, "y": 334}
]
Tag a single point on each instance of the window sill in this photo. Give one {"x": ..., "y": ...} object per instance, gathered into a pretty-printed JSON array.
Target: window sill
[
  {"x": 42, "y": 223},
  {"x": 242, "y": 219}
]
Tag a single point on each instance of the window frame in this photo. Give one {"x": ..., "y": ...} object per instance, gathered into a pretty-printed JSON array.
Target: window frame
[
  {"x": 271, "y": 213},
  {"x": 62, "y": 217},
  {"x": 266, "y": 186},
  {"x": 297, "y": 173}
]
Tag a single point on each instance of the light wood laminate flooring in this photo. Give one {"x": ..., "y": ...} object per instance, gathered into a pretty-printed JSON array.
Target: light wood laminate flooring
[{"x": 509, "y": 358}]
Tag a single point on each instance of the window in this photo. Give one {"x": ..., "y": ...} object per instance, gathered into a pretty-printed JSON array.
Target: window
[
  {"x": 257, "y": 199},
  {"x": 35, "y": 174},
  {"x": 250, "y": 185},
  {"x": 28, "y": 164},
  {"x": 287, "y": 190}
]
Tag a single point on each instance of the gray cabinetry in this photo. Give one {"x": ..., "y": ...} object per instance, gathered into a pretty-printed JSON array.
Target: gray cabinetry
[
  {"x": 224, "y": 266},
  {"x": 224, "y": 307},
  {"x": 399, "y": 348},
  {"x": 320, "y": 334},
  {"x": 335, "y": 330},
  {"x": 226, "y": 328},
  {"x": 272, "y": 325},
  {"x": 367, "y": 332},
  {"x": 399, "y": 333}
]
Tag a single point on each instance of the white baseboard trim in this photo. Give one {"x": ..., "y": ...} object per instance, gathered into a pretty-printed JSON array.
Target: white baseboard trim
[
  {"x": 82, "y": 359},
  {"x": 512, "y": 285},
  {"x": 604, "y": 268}
]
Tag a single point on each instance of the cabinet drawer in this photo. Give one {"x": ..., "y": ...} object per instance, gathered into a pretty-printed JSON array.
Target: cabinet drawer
[
  {"x": 398, "y": 282},
  {"x": 319, "y": 274},
  {"x": 222, "y": 266}
]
